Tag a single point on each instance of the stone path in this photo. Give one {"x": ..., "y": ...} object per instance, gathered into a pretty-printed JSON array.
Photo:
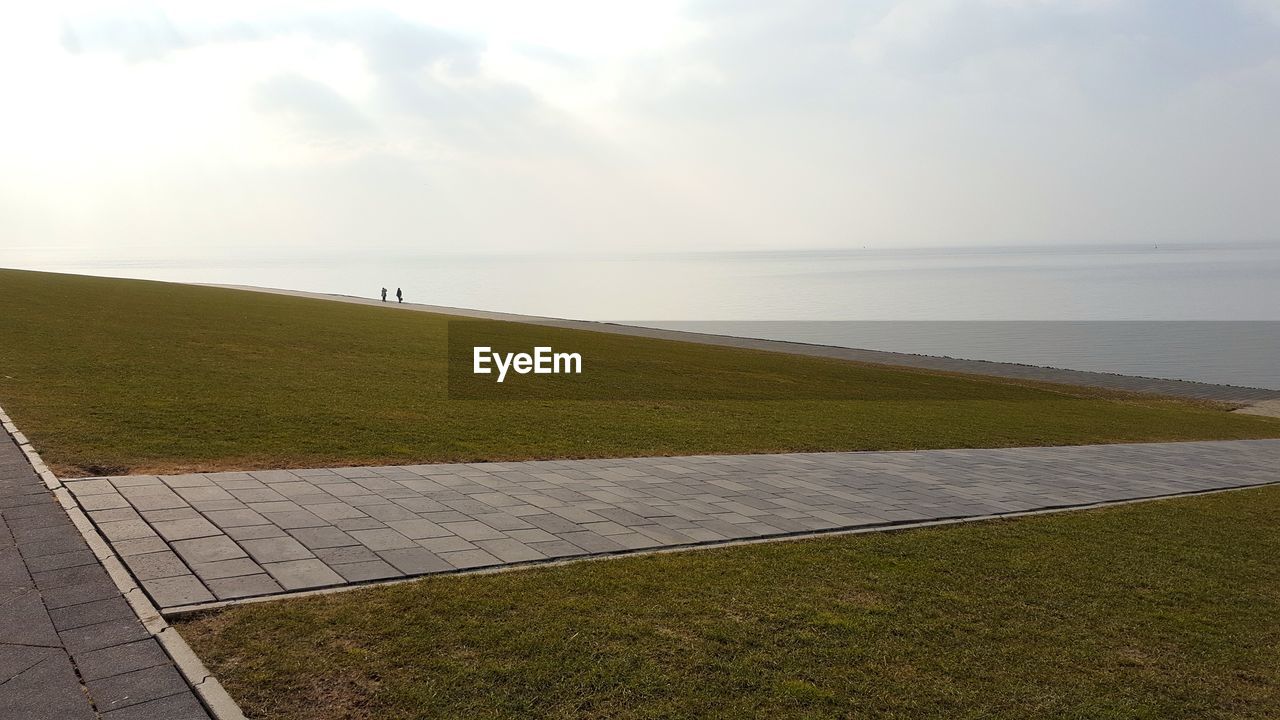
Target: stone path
[
  {"x": 70, "y": 646},
  {"x": 1014, "y": 371},
  {"x": 198, "y": 539}
]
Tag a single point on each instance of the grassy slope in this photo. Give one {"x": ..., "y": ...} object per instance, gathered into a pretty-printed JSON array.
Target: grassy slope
[
  {"x": 113, "y": 375},
  {"x": 1161, "y": 610}
]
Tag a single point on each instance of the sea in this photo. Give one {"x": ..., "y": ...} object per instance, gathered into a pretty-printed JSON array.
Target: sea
[{"x": 1206, "y": 312}]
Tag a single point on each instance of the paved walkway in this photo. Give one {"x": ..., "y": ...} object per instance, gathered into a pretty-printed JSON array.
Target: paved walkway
[
  {"x": 197, "y": 539},
  {"x": 1175, "y": 388},
  {"x": 70, "y": 646}
]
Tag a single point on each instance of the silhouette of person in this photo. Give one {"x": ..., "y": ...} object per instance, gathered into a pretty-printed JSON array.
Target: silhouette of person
[
  {"x": 399, "y": 296},
  {"x": 384, "y": 294}
]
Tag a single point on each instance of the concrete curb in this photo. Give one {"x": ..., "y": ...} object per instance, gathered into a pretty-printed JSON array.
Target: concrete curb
[
  {"x": 182, "y": 611},
  {"x": 207, "y": 688}
]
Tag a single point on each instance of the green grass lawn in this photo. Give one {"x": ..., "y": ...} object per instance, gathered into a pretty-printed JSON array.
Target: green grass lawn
[
  {"x": 1160, "y": 610},
  {"x": 116, "y": 376}
]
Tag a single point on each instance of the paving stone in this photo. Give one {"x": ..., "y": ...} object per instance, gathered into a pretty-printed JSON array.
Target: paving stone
[
  {"x": 558, "y": 549},
  {"x": 295, "y": 519},
  {"x": 591, "y": 542},
  {"x": 335, "y": 511},
  {"x": 156, "y": 565},
  {"x": 119, "y": 659},
  {"x": 448, "y": 516},
  {"x": 236, "y": 518},
  {"x": 446, "y": 544},
  {"x": 473, "y": 530},
  {"x": 140, "y": 546},
  {"x": 25, "y": 621},
  {"x": 211, "y": 549},
  {"x": 243, "y": 586},
  {"x": 47, "y": 508},
  {"x": 186, "y": 480},
  {"x": 608, "y": 528},
  {"x": 15, "y": 504},
  {"x": 104, "y": 634},
  {"x": 276, "y": 506},
  {"x": 233, "y": 481},
  {"x": 635, "y": 541},
  {"x": 418, "y": 529},
  {"x": 61, "y": 560},
  {"x": 196, "y": 494},
  {"x": 174, "y": 591},
  {"x": 577, "y": 515},
  {"x": 697, "y": 534},
  {"x": 503, "y": 521},
  {"x": 136, "y": 481},
  {"x": 387, "y": 512},
  {"x": 16, "y": 659},
  {"x": 206, "y": 506},
  {"x": 255, "y": 532},
  {"x": 38, "y": 535},
  {"x": 339, "y": 555},
  {"x": 464, "y": 559},
  {"x": 102, "y": 502},
  {"x": 183, "y": 706},
  {"x": 512, "y": 551},
  {"x": 181, "y": 513},
  {"x": 136, "y": 491},
  {"x": 490, "y": 513},
  {"x": 126, "y": 530},
  {"x": 322, "y": 537},
  {"x": 664, "y": 535},
  {"x": 267, "y": 550},
  {"x": 61, "y": 604},
  {"x": 113, "y": 515},
  {"x": 61, "y": 597},
  {"x": 300, "y": 574},
  {"x": 48, "y": 690},
  {"x": 138, "y": 686},
  {"x": 157, "y": 501},
  {"x": 51, "y": 579},
  {"x": 364, "y": 523},
  {"x": 415, "y": 560},
  {"x": 225, "y": 568},
  {"x": 256, "y": 495},
  {"x": 45, "y": 517},
  {"x": 91, "y": 487},
  {"x": 382, "y": 539},
  {"x": 367, "y": 570},
  {"x": 420, "y": 504},
  {"x": 533, "y": 535},
  {"x": 172, "y": 530},
  {"x": 551, "y": 523}
]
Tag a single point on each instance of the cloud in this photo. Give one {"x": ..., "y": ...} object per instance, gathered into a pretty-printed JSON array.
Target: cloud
[
  {"x": 829, "y": 53},
  {"x": 420, "y": 74},
  {"x": 145, "y": 34},
  {"x": 314, "y": 106},
  {"x": 758, "y": 124}
]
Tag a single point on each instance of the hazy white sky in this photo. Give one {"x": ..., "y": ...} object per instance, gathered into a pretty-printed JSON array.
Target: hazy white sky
[{"x": 207, "y": 130}]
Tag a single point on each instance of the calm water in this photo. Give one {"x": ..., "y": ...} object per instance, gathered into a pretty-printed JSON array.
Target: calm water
[
  {"x": 809, "y": 289},
  {"x": 1231, "y": 353}
]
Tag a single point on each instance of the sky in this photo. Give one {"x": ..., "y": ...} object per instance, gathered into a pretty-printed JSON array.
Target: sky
[{"x": 202, "y": 131}]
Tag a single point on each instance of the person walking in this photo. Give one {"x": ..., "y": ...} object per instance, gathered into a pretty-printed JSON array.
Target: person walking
[
  {"x": 384, "y": 294},
  {"x": 399, "y": 296}
]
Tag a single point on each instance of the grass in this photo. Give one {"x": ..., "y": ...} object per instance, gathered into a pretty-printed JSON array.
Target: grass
[
  {"x": 1166, "y": 609},
  {"x": 117, "y": 376}
]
